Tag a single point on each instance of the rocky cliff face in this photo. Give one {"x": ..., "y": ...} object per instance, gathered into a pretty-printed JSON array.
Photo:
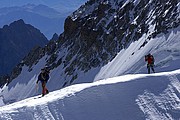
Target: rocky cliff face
[
  {"x": 17, "y": 40},
  {"x": 98, "y": 30}
]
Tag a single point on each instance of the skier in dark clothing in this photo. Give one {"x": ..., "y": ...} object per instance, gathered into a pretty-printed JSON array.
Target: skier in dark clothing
[
  {"x": 150, "y": 62},
  {"x": 43, "y": 77}
]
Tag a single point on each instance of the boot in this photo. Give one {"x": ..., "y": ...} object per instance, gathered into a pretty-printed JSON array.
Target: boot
[{"x": 47, "y": 91}]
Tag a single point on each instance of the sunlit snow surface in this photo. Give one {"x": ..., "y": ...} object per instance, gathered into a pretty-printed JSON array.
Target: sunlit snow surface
[
  {"x": 164, "y": 48},
  {"x": 140, "y": 96}
]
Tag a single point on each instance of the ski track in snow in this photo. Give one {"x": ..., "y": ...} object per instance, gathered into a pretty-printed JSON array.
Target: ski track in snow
[
  {"x": 54, "y": 110},
  {"x": 46, "y": 113},
  {"x": 165, "y": 106}
]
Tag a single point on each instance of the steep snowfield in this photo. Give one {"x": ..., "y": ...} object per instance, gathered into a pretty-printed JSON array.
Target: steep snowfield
[
  {"x": 24, "y": 85},
  {"x": 164, "y": 48},
  {"x": 137, "y": 97}
]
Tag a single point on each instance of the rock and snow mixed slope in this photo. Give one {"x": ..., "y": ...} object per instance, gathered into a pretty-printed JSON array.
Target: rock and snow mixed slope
[
  {"x": 165, "y": 50},
  {"x": 137, "y": 97}
]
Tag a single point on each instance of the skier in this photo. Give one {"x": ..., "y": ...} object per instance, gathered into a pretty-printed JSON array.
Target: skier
[
  {"x": 43, "y": 77},
  {"x": 150, "y": 62}
]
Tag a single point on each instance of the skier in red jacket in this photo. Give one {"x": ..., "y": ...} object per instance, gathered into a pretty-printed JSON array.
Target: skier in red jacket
[{"x": 150, "y": 62}]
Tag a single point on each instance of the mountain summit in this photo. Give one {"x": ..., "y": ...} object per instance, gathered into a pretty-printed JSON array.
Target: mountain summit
[{"x": 17, "y": 39}]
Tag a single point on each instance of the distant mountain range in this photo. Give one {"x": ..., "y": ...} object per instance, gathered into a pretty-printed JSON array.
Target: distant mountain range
[
  {"x": 17, "y": 40},
  {"x": 47, "y": 20},
  {"x": 60, "y": 5},
  {"x": 45, "y": 15}
]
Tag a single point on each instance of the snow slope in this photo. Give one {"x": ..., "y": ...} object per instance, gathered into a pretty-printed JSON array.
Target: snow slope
[
  {"x": 137, "y": 97},
  {"x": 165, "y": 49}
]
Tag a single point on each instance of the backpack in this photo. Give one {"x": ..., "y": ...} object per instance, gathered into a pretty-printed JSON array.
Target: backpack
[
  {"x": 42, "y": 76},
  {"x": 149, "y": 58}
]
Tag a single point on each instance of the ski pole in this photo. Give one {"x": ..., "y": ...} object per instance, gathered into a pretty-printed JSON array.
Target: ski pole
[{"x": 37, "y": 87}]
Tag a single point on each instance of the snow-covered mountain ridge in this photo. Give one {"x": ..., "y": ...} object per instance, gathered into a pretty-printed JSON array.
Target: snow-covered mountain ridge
[{"x": 154, "y": 96}]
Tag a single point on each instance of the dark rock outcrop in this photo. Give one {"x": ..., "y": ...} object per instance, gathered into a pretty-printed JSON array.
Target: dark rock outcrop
[{"x": 17, "y": 40}]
